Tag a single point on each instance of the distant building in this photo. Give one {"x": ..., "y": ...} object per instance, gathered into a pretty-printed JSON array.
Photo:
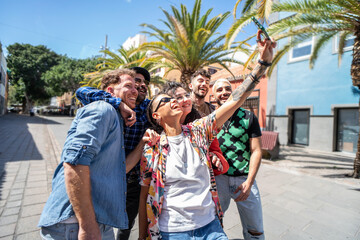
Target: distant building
[
  {"x": 3, "y": 84},
  {"x": 135, "y": 41},
  {"x": 314, "y": 108}
]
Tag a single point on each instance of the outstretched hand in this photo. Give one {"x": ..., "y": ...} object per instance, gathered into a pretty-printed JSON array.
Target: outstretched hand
[{"x": 266, "y": 47}]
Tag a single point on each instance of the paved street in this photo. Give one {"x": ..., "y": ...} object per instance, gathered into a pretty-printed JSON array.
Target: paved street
[{"x": 304, "y": 195}]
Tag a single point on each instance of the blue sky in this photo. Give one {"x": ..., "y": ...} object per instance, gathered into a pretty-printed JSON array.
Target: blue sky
[{"x": 77, "y": 28}]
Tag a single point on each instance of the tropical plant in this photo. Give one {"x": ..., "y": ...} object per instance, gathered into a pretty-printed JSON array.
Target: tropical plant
[
  {"x": 322, "y": 18},
  {"x": 123, "y": 58},
  {"x": 190, "y": 41}
]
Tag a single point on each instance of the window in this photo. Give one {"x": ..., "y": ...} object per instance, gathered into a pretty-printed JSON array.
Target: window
[
  {"x": 302, "y": 51},
  {"x": 349, "y": 44},
  {"x": 300, "y": 127},
  {"x": 347, "y": 129}
]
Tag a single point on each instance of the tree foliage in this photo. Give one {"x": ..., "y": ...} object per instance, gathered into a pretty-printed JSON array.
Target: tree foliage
[
  {"x": 27, "y": 64},
  {"x": 190, "y": 42},
  {"x": 67, "y": 75}
]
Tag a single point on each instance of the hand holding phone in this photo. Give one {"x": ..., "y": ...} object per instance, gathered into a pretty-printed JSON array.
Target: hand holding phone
[{"x": 261, "y": 27}]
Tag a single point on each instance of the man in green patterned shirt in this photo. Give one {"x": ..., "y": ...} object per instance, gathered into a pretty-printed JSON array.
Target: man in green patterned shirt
[{"x": 240, "y": 143}]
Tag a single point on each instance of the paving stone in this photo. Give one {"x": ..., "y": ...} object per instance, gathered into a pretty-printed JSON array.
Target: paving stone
[
  {"x": 10, "y": 237},
  {"x": 15, "y": 197},
  {"x": 34, "y": 199},
  {"x": 29, "y": 236},
  {"x": 11, "y": 204},
  {"x": 34, "y": 191},
  {"x": 20, "y": 185},
  {"x": 11, "y": 211},
  {"x": 37, "y": 178},
  {"x": 27, "y": 224},
  {"x": 320, "y": 231},
  {"x": 7, "y": 230},
  {"x": 36, "y": 184},
  {"x": 5, "y": 220},
  {"x": 31, "y": 210},
  {"x": 16, "y": 191}
]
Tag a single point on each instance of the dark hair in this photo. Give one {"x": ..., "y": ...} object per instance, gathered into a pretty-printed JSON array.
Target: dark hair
[
  {"x": 201, "y": 72},
  {"x": 171, "y": 86},
  {"x": 154, "y": 125},
  {"x": 114, "y": 77},
  {"x": 192, "y": 116}
]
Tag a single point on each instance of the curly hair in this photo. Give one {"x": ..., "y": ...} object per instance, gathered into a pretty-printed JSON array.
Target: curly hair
[
  {"x": 170, "y": 87},
  {"x": 114, "y": 77},
  {"x": 201, "y": 72}
]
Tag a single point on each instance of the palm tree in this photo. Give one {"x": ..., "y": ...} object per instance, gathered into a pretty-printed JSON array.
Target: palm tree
[
  {"x": 124, "y": 58},
  {"x": 190, "y": 41},
  {"x": 322, "y": 18}
]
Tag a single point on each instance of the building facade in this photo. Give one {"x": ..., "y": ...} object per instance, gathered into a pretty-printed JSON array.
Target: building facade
[
  {"x": 315, "y": 107},
  {"x": 3, "y": 84}
]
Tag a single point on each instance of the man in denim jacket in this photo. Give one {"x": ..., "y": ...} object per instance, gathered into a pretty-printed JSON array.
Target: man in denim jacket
[{"x": 88, "y": 195}]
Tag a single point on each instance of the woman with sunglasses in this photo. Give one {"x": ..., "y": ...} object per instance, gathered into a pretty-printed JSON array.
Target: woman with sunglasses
[
  {"x": 190, "y": 114},
  {"x": 178, "y": 196}
]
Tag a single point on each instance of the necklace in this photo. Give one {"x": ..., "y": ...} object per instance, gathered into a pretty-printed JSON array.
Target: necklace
[{"x": 226, "y": 127}]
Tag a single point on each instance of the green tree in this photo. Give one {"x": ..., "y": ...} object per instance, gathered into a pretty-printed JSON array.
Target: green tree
[
  {"x": 190, "y": 41},
  {"x": 122, "y": 58},
  {"x": 67, "y": 75},
  {"x": 322, "y": 18},
  {"x": 27, "y": 64}
]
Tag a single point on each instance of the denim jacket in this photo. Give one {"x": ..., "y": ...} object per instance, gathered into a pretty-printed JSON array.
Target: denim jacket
[{"x": 95, "y": 139}]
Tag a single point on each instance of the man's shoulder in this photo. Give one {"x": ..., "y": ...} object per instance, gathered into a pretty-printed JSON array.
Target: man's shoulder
[{"x": 98, "y": 108}]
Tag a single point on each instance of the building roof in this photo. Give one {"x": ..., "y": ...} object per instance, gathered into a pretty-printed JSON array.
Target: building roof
[{"x": 238, "y": 72}]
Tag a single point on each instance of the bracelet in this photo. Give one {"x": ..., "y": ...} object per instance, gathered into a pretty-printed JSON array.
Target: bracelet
[
  {"x": 253, "y": 78},
  {"x": 266, "y": 64}
]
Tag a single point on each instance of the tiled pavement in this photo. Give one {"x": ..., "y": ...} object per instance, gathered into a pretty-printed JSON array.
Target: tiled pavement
[
  {"x": 297, "y": 202},
  {"x": 26, "y": 168}
]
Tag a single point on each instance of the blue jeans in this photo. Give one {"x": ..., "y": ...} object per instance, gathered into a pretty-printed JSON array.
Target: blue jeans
[
  {"x": 212, "y": 230},
  {"x": 69, "y": 231},
  {"x": 250, "y": 210}
]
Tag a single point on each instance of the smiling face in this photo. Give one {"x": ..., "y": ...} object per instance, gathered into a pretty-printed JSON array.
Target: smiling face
[
  {"x": 141, "y": 87},
  {"x": 166, "y": 109},
  {"x": 200, "y": 86},
  {"x": 125, "y": 90},
  {"x": 184, "y": 100},
  {"x": 222, "y": 92}
]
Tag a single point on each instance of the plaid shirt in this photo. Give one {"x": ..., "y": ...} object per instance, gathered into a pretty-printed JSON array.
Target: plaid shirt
[{"x": 132, "y": 135}]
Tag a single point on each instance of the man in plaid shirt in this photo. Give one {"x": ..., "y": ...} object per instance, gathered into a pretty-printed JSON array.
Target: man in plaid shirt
[{"x": 132, "y": 136}]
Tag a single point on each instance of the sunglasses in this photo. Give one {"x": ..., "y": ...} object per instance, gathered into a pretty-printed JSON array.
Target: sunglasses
[{"x": 163, "y": 100}]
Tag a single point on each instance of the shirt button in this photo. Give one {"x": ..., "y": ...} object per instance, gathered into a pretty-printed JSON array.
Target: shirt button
[
  {"x": 122, "y": 146},
  {"x": 84, "y": 147}
]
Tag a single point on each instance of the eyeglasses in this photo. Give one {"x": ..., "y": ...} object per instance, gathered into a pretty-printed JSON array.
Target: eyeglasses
[{"x": 163, "y": 100}]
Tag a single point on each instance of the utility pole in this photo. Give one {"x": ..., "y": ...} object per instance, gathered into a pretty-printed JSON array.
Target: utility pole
[{"x": 105, "y": 48}]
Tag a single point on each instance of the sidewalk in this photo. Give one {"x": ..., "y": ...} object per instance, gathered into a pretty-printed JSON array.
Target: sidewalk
[{"x": 304, "y": 194}]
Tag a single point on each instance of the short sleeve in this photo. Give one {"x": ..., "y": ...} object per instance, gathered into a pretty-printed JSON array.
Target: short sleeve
[
  {"x": 254, "y": 128},
  {"x": 146, "y": 164}
]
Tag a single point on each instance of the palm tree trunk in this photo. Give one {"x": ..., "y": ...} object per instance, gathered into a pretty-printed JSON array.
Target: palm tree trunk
[
  {"x": 185, "y": 78},
  {"x": 355, "y": 75}
]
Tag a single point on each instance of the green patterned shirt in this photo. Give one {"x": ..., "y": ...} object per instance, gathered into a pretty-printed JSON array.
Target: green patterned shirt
[{"x": 234, "y": 140}]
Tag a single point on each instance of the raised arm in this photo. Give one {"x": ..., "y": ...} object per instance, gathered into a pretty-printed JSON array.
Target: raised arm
[
  {"x": 88, "y": 95},
  {"x": 240, "y": 94}
]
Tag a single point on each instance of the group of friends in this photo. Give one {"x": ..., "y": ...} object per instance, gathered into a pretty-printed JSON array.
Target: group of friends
[{"x": 175, "y": 160}]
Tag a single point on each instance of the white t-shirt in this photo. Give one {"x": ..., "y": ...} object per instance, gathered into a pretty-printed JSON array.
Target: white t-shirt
[{"x": 188, "y": 204}]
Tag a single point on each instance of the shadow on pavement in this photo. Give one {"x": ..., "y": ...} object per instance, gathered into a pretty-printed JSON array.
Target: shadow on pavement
[{"x": 17, "y": 144}]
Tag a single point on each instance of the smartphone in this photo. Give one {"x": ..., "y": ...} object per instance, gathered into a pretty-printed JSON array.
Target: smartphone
[{"x": 261, "y": 27}]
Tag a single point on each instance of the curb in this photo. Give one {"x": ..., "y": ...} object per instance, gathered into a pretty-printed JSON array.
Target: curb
[{"x": 55, "y": 145}]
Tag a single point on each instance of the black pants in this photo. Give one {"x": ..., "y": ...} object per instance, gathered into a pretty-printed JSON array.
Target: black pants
[{"x": 132, "y": 208}]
